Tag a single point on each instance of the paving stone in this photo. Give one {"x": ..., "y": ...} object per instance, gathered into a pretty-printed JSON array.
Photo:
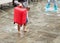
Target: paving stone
[{"x": 44, "y": 27}]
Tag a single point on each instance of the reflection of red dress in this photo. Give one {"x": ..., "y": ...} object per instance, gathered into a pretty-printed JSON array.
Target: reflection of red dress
[{"x": 20, "y": 15}]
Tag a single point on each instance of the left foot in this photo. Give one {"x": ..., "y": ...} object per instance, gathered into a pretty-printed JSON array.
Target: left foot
[
  {"x": 46, "y": 9},
  {"x": 18, "y": 31}
]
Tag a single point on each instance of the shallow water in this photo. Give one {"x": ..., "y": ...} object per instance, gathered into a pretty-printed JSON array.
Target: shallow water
[{"x": 44, "y": 27}]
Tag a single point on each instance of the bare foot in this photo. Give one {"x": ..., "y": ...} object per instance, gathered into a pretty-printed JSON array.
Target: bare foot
[
  {"x": 18, "y": 31},
  {"x": 25, "y": 30}
]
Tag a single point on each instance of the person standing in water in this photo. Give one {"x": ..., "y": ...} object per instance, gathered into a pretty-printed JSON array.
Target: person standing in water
[
  {"x": 48, "y": 5},
  {"x": 25, "y": 5}
]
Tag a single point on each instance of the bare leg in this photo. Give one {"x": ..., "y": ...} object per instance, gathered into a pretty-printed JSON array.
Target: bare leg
[
  {"x": 25, "y": 27},
  {"x": 18, "y": 28}
]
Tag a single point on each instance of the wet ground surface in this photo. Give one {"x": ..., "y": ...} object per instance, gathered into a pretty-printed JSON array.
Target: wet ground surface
[{"x": 44, "y": 27}]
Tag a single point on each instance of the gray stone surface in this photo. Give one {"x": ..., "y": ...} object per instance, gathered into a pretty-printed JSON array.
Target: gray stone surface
[{"x": 44, "y": 27}]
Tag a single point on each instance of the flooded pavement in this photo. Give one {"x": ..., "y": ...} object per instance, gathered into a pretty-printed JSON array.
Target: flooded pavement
[{"x": 44, "y": 27}]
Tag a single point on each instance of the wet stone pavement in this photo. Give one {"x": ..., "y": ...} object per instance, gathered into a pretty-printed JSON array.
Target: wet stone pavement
[{"x": 44, "y": 27}]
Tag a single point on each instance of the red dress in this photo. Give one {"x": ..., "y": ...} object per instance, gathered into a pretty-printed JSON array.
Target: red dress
[{"x": 20, "y": 15}]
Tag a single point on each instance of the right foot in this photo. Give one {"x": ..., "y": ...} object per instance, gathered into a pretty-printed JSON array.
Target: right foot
[{"x": 25, "y": 30}]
